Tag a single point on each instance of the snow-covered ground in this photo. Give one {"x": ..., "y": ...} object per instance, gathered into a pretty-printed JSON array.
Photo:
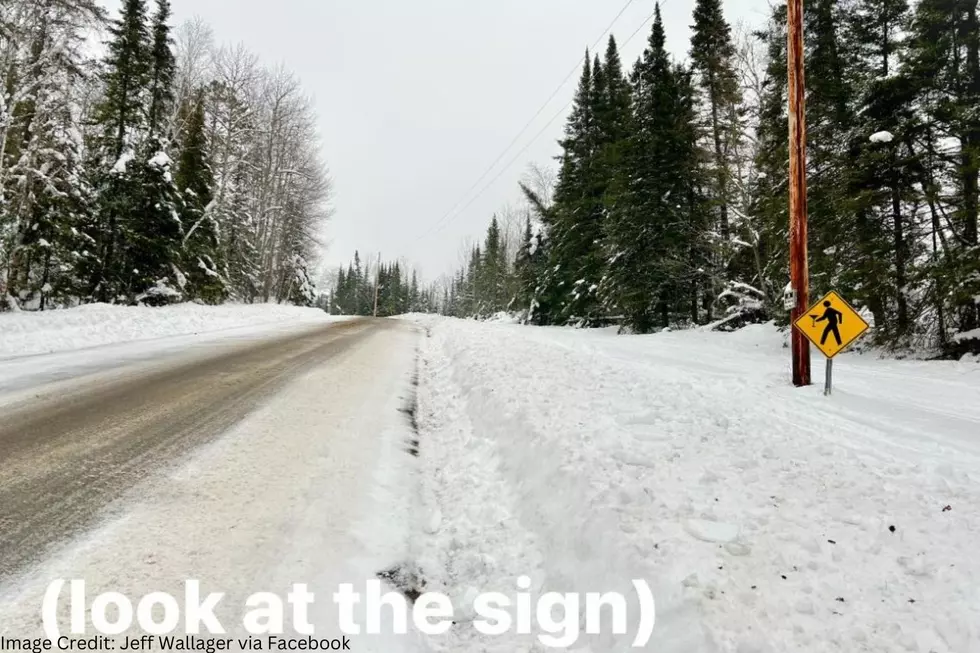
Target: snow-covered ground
[
  {"x": 43, "y": 332},
  {"x": 38, "y": 347},
  {"x": 766, "y": 518}
]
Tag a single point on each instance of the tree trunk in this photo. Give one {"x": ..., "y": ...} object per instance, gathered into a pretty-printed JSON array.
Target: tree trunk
[
  {"x": 970, "y": 164},
  {"x": 901, "y": 255}
]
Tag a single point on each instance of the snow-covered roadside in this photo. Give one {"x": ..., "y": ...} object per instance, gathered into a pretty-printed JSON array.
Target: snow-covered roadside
[
  {"x": 42, "y": 347},
  {"x": 315, "y": 487},
  {"x": 92, "y": 325},
  {"x": 766, "y": 518}
]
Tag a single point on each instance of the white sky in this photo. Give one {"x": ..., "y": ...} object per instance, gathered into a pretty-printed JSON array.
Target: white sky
[{"x": 417, "y": 97}]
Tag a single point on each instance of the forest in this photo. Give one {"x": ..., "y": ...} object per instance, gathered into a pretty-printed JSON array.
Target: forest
[
  {"x": 670, "y": 206},
  {"x": 158, "y": 167},
  {"x": 162, "y": 167},
  {"x": 383, "y": 289}
]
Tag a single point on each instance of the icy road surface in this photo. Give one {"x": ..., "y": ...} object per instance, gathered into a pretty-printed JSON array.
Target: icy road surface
[{"x": 249, "y": 467}]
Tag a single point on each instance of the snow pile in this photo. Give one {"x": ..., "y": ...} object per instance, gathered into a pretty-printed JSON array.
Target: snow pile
[
  {"x": 30, "y": 333},
  {"x": 765, "y": 518}
]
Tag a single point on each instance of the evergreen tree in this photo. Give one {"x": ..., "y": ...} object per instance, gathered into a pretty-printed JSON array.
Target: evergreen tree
[
  {"x": 153, "y": 229},
  {"x": 831, "y": 146},
  {"x": 649, "y": 234},
  {"x": 339, "y": 303},
  {"x": 713, "y": 62},
  {"x": 162, "y": 71},
  {"x": 44, "y": 198},
  {"x": 415, "y": 298},
  {"x": 494, "y": 272},
  {"x": 944, "y": 73},
  {"x": 121, "y": 118},
  {"x": 195, "y": 181},
  {"x": 614, "y": 117},
  {"x": 537, "y": 287},
  {"x": 152, "y": 232},
  {"x": 126, "y": 77},
  {"x": 528, "y": 268},
  {"x": 883, "y": 175},
  {"x": 575, "y": 221}
]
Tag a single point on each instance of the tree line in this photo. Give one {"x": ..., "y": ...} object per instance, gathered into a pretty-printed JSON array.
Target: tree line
[
  {"x": 390, "y": 286},
  {"x": 671, "y": 200},
  {"x": 168, "y": 169}
]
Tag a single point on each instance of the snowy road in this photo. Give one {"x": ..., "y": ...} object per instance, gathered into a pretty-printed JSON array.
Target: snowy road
[
  {"x": 213, "y": 465},
  {"x": 765, "y": 518}
]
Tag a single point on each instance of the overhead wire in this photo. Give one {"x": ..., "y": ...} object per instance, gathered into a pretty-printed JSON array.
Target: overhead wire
[
  {"x": 526, "y": 126},
  {"x": 523, "y": 150}
]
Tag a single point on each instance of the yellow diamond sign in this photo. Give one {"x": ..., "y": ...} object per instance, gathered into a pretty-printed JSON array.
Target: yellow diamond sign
[{"x": 832, "y": 324}]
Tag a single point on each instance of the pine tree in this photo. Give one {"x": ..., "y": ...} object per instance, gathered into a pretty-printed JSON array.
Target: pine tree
[
  {"x": 162, "y": 72},
  {"x": 339, "y": 304},
  {"x": 153, "y": 231},
  {"x": 201, "y": 260},
  {"x": 121, "y": 117},
  {"x": 472, "y": 289},
  {"x": 528, "y": 268},
  {"x": 883, "y": 176},
  {"x": 415, "y": 299},
  {"x": 493, "y": 272},
  {"x": 713, "y": 62},
  {"x": 831, "y": 151},
  {"x": 944, "y": 72},
  {"x": 537, "y": 289},
  {"x": 615, "y": 115},
  {"x": 140, "y": 230},
  {"x": 575, "y": 221},
  {"x": 649, "y": 234},
  {"x": 127, "y": 71},
  {"x": 44, "y": 199}
]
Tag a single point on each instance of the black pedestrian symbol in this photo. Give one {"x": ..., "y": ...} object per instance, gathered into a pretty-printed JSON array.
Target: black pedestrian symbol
[{"x": 834, "y": 318}]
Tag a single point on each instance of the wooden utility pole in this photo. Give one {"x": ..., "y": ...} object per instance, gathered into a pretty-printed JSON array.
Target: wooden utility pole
[
  {"x": 377, "y": 280},
  {"x": 798, "y": 267}
]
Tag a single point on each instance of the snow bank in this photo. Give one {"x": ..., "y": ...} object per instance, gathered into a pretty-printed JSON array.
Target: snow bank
[
  {"x": 766, "y": 518},
  {"x": 30, "y": 333}
]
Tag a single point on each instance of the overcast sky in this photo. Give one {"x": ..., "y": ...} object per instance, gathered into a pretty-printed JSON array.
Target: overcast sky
[{"x": 417, "y": 97}]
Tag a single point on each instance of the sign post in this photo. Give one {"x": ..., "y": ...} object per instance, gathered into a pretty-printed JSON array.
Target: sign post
[
  {"x": 828, "y": 384},
  {"x": 831, "y": 325}
]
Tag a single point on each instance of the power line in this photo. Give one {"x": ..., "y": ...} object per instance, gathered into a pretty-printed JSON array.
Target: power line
[
  {"x": 526, "y": 147},
  {"x": 643, "y": 24},
  {"x": 528, "y": 124}
]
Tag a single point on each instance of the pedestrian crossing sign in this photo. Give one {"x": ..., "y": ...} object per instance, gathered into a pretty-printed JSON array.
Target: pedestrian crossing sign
[{"x": 832, "y": 324}]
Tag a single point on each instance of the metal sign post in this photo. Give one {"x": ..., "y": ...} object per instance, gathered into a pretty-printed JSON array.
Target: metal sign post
[{"x": 828, "y": 383}]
